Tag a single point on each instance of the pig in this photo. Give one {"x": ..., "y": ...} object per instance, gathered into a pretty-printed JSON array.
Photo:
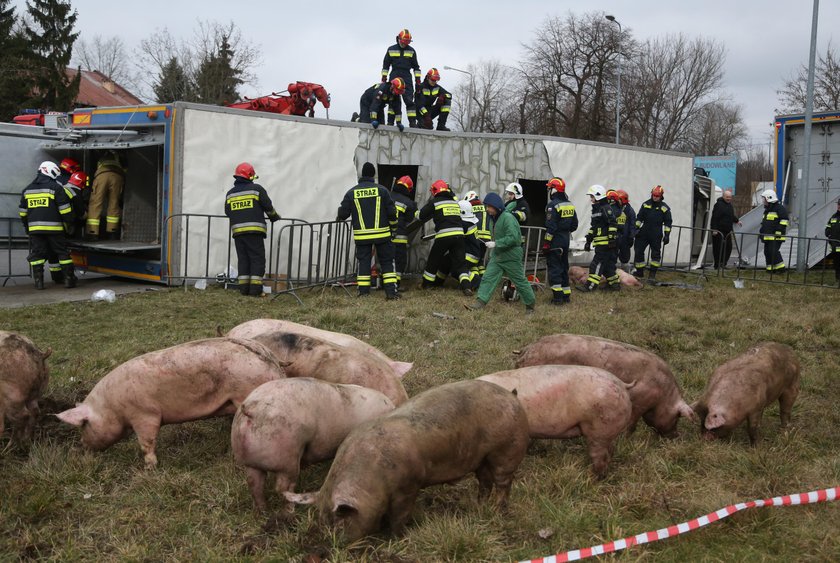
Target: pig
[
  {"x": 305, "y": 356},
  {"x": 580, "y": 276},
  {"x": 252, "y": 328},
  {"x": 288, "y": 422},
  {"x": 439, "y": 436},
  {"x": 656, "y": 396},
  {"x": 190, "y": 381},
  {"x": 741, "y": 388},
  {"x": 23, "y": 379},
  {"x": 572, "y": 401}
]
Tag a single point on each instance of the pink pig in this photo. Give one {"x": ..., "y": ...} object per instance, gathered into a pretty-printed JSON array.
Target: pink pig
[
  {"x": 23, "y": 379},
  {"x": 190, "y": 381}
]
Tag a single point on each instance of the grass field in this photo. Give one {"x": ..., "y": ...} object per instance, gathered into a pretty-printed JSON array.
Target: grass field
[{"x": 60, "y": 502}]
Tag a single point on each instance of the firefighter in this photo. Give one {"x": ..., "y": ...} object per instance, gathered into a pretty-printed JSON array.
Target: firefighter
[
  {"x": 515, "y": 203},
  {"x": 560, "y": 222},
  {"x": 772, "y": 231},
  {"x": 432, "y": 100},
  {"x": 45, "y": 210},
  {"x": 603, "y": 235},
  {"x": 108, "y": 184},
  {"x": 406, "y": 210},
  {"x": 653, "y": 224},
  {"x": 401, "y": 58},
  {"x": 374, "y": 220},
  {"x": 472, "y": 245},
  {"x": 372, "y": 103},
  {"x": 832, "y": 233},
  {"x": 68, "y": 166},
  {"x": 506, "y": 260},
  {"x": 484, "y": 224},
  {"x": 449, "y": 238},
  {"x": 628, "y": 235},
  {"x": 246, "y": 205},
  {"x": 75, "y": 189}
]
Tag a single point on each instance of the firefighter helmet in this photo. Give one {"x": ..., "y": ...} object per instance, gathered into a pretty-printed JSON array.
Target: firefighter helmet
[
  {"x": 433, "y": 75},
  {"x": 471, "y": 196},
  {"x": 770, "y": 196},
  {"x": 398, "y": 86},
  {"x": 404, "y": 37},
  {"x": 657, "y": 191},
  {"x": 515, "y": 189},
  {"x": 439, "y": 186},
  {"x": 597, "y": 191},
  {"x": 623, "y": 198},
  {"x": 245, "y": 170},
  {"x": 509, "y": 292},
  {"x": 612, "y": 195},
  {"x": 467, "y": 213},
  {"x": 69, "y": 165},
  {"x": 556, "y": 185},
  {"x": 407, "y": 182},
  {"x": 78, "y": 179},
  {"x": 49, "y": 168}
]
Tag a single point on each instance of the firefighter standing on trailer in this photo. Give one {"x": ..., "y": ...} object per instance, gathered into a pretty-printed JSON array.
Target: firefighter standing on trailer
[
  {"x": 401, "y": 58},
  {"x": 484, "y": 226},
  {"x": 654, "y": 229},
  {"x": 560, "y": 222},
  {"x": 107, "y": 189},
  {"x": 449, "y": 238},
  {"x": 433, "y": 100},
  {"x": 374, "y": 221},
  {"x": 406, "y": 210},
  {"x": 45, "y": 210},
  {"x": 603, "y": 235},
  {"x": 373, "y": 100},
  {"x": 246, "y": 205},
  {"x": 773, "y": 228}
]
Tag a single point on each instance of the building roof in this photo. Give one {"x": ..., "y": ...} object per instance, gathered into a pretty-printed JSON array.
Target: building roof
[{"x": 96, "y": 89}]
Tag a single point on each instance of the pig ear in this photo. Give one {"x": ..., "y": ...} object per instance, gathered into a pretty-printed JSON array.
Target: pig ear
[
  {"x": 300, "y": 498},
  {"x": 46, "y": 353},
  {"x": 343, "y": 508},
  {"x": 76, "y": 416},
  {"x": 400, "y": 368},
  {"x": 688, "y": 412}
]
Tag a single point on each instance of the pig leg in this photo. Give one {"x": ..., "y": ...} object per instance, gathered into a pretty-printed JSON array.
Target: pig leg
[
  {"x": 147, "y": 430},
  {"x": 400, "y": 509},
  {"x": 284, "y": 482},
  {"x": 753, "y": 422},
  {"x": 600, "y": 453},
  {"x": 786, "y": 400},
  {"x": 256, "y": 483},
  {"x": 489, "y": 476}
]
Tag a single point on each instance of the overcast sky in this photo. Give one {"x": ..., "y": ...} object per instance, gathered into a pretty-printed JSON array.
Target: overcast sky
[{"x": 341, "y": 44}]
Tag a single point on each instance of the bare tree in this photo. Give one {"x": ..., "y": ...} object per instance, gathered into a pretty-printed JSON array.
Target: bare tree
[
  {"x": 668, "y": 82},
  {"x": 568, "y": 70},
  {"x": 108, "y": 56},
  {"x": 717, "y": 129},
  {"x": 486, "y": 101},
  {"x": 154, "y": 58},
  {"x": 826, "y": 85}
]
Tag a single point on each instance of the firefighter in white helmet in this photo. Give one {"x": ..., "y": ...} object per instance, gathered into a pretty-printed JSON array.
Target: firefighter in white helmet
[
  {"x": 773, "y": 228},
  {"x": 603, "y": 235}
]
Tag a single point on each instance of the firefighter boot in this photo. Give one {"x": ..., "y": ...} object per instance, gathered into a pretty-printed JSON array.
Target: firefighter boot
[
  {"x": 38, "y": 276},
  {"x": 256, "y": 290},
  {"x": 441, "y": 126},
  {"x": 69, "y": 276},
  {"x": 557, "y": 298},
  {"x": 244, "y": 288},
  {"x": 652, "y": 274},
  {"x": 56, "y": 274}
]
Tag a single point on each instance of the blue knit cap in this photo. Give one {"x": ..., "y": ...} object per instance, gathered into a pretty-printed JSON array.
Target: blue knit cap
[{"x": 494, "y": 200}]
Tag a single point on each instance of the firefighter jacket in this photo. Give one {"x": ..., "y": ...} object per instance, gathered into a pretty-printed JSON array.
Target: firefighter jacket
[
  {"x": 485, "y": 222},
  {"x": 520, "y": 209},
  {"x": 629, "y": 232},
  {"x": 246, "y": 205},
  {"x": 472, "y": 246},
  {"x": 775, "y": 222},
  {"x": 444, "y": 210},
  {"x": 45, "y": 207},
  {"x": 560, "y": 220},
  {"x": 832, "y": 230},
  {"x": 377, "y": 96},
  {"x": 603, "y": 230},
  {"x": 77, "y": 200},
  {"x": 427, "y": 96},
  {"x": 653, "y": 218},
  {"x": 372, "y": 209},
  {"x": 406, "y": 210},
  {"x": 723, "y": 216},
  {"x": 401, "y": 61}
]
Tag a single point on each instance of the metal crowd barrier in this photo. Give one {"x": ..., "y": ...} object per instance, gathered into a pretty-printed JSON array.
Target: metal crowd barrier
[
  {"x": 15, "y": 244},
  {"x": 316, "y": 255}
]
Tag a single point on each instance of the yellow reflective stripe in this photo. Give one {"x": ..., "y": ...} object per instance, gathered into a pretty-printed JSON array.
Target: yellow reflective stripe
[
  {"x": 450, "y": 233},
  {"x": 772, "y": 215}
]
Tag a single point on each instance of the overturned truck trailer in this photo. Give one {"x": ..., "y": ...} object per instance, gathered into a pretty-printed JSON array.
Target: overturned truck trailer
[{"x": 180, "y": 158}]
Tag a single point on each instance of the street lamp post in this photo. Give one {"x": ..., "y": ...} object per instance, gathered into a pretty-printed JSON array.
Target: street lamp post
[
  {"x": 618, "y": 94},
  {"x": 469, "y": 93}
]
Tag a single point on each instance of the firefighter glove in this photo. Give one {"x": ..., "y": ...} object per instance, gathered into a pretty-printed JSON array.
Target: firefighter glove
[
  {"x": 588, "y": 246},
  {"x": 375, "y": 124},
  {"x": 667, "y": 238},
  {"x": 401, "y": 127},
  {"x": 490, "y": 244},
  {"x": 427, "y": 121}
]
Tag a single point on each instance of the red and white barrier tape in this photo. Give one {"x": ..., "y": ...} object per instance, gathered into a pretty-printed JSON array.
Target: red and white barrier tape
[{"x": 823, "y": 495}]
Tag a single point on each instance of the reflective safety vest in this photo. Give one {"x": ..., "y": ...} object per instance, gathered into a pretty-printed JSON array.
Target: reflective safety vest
[
  {"x": 406, "y": 210},
  {"x": 246, "y": 205},
  {"x": 485, "y": 222},
  {"x": 560, "y": 220},
  {"x": 444, "y": 209},
  {"x": 653, "y": 218},
  {"x": 402, "y": 60},
  {"x": 603, "y": 230},
  {"x": 427, "y": 96},
  {"x": 372, "y": 209},
  {"x": 775, "y": 222},
  {"x": 44, "y": 206}
]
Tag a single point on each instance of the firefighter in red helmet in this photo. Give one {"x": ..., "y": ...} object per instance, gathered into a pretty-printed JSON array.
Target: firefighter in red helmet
[
  {"x": 373, "y": 101},
  {"x": 433, "y": 100},
  {"x": 653, "y": 222},
  {"x": 246, "y": 205},
  {"x": 401, "y": 59},
  {"x": 402, "y": 194},
  {"x": 444, "y": 210}
]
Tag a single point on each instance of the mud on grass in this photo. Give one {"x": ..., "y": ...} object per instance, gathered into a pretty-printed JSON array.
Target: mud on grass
[{"x": 60, "y": 502}]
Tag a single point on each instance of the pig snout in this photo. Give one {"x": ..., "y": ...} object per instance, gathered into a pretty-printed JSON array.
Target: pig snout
[{"x": 714, "y": 420}]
